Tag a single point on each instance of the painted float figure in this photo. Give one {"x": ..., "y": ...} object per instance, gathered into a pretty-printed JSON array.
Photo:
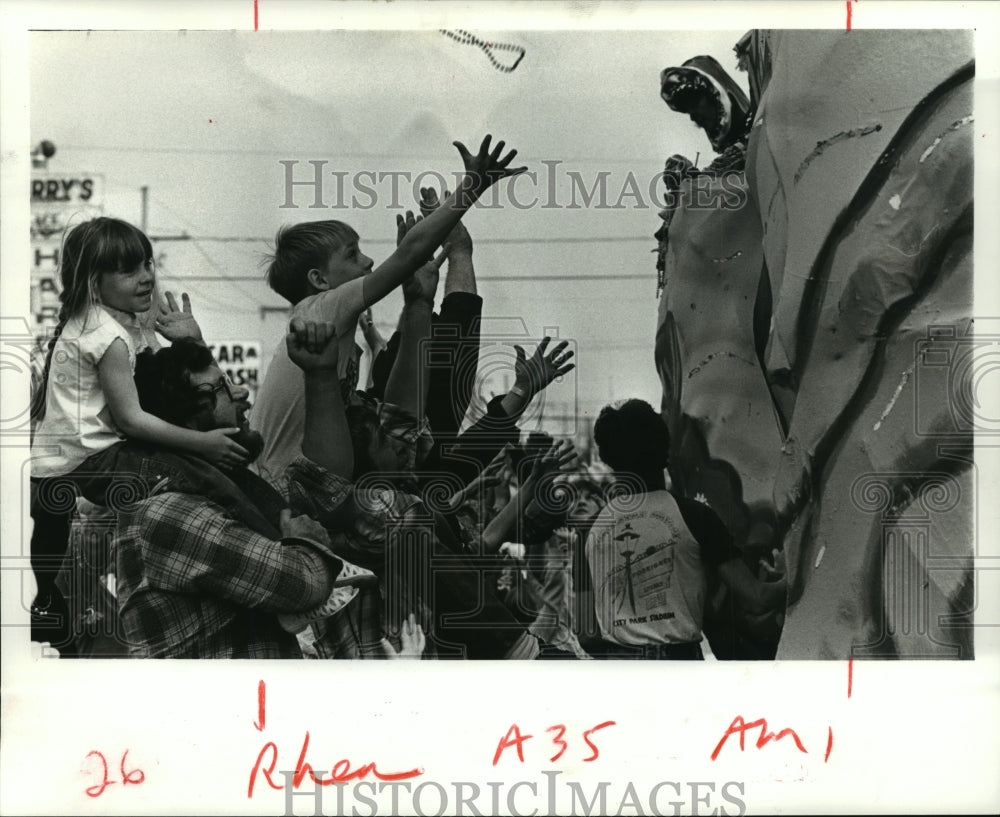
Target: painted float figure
[{"x": 859, "y": 168}]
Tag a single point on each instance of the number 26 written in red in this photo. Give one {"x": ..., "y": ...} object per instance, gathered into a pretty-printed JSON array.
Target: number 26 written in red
[{"x": 133, "y": 776}]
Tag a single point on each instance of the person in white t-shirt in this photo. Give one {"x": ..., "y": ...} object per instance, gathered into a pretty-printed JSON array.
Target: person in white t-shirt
[
  {"x": 86, "y": 400},
  {"x": 649, "y": 551}
]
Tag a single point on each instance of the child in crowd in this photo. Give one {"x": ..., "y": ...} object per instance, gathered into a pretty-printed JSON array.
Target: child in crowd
[
  {"x": 320, "y": 269},
  {"x": 86, "y": 400}
]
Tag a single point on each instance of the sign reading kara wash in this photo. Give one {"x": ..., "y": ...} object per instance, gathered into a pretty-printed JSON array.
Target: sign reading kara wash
[{"x": 240, "y": 362}]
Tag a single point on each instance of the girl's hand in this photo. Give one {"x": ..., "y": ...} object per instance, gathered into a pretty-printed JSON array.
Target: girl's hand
[
  {"x": 175, "y": 323},
  {"x": 486, "y": 168},
  {"x": 222, "y": 451}
]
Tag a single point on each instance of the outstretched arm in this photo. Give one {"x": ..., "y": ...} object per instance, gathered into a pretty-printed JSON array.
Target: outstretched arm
[
  {"x": 461, "y": 275},
  {"x": 326, "y": 441},
  {"x": 533, "y": 375},
  {"x": 407, "y": 383},
  {"x": 115, "y": 376},
  {"x": 752, "y": 594},
  {"x": 482, "y": 171},
  {"x": 560, "y": 456}
]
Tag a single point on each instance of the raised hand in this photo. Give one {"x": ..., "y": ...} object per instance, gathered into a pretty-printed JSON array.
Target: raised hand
[
  {"x": 490, "y": 477},
  {"x": 404, "y": 224},
  {"x": 561, "y": 457},
  {"x": 412, "y": 640},
  {"x": 175, "y": 322},
  {"x": 459, "y": 240},
  {"x": 422, "y": 285},
  {"x": 487, "y": 167},
  {"x": 372, "y": 336},
  {"x": 535, "y": 373},
  {"x": 777, "y": 570},
  {"x": 219, "y": 449},
  {"x": 312, "y": 344}
]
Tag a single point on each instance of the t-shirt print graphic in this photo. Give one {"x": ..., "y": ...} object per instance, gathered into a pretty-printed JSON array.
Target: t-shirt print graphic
[{"x": 645, "y": 574}]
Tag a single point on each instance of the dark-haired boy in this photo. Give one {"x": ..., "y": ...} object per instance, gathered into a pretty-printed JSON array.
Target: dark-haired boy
[{"x": 649, "y": 551}]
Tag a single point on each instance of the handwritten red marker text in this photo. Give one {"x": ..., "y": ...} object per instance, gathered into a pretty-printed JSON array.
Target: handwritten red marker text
[
  {"x": 340, "y": 772},
  {"x": 515, "y": 737},
  {"x": 133, "y": 776}
]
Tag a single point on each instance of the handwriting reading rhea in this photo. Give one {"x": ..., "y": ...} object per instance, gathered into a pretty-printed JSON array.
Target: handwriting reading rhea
[{"x": 341, "y": 771}]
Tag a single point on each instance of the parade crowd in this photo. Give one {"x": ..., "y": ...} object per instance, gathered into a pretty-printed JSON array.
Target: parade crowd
[{"x": 348, "y": 519}]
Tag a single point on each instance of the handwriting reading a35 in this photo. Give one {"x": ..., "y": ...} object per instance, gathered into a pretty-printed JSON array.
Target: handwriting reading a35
[{"x": 515, "y": 737}]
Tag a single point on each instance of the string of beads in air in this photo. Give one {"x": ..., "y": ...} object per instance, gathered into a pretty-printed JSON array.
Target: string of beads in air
[{"x": 463, "y": 37}]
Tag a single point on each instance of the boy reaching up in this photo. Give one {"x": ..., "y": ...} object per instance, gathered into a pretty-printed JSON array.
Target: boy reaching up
[{"x": 319, "y": 267}]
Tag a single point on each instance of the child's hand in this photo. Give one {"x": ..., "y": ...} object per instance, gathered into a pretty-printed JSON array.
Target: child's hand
[
  {"x": 175, "y": 323},
  {"x": 220, "y": 450},
  {"x": 312, "y": 345},
  {"x": 412, "y": 638},
  {"x": 302, "y": 527},
  {"x": 486, "y": 168}
]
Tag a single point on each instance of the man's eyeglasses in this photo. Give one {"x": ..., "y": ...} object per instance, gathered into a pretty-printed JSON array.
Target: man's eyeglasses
[{"x": 205, "y": 390}]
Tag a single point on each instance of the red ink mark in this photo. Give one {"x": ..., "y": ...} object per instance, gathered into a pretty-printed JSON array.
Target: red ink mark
[
  {"x": 557, "y": 739},
  {"x": 739, "y": 726},
  {"x": 98, "y": 790},
  {"x": 254, "y": 15},
  {"x": 268, "y": 771},
  {"x": 506, "y": 742},
  {"x": 134, "y": 777},
  {"x": 849, "y": 14},
  {"x": 342, "y": 773},
  {"x": 261, "y": 695},
  {"x": 829, "y": 743},
  {"x": 850, "y": 676},
  {"x": 586, "y": 737}
]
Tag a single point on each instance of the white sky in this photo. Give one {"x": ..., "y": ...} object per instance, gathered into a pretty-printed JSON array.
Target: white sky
[{"x": 203, "y": 119}]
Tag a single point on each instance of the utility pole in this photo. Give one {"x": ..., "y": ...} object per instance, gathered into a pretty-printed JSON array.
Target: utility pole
[{"x": 144, "y": 218}]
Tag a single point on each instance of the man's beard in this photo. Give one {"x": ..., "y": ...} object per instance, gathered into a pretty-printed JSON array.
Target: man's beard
[{"x": 251, "y": 441}]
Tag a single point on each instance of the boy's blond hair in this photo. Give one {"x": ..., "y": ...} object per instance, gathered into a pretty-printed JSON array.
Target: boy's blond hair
[{"x": 299, "y": 248}]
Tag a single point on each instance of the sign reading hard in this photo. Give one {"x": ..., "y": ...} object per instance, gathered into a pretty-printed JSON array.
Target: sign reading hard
[
  {"x": 240, "y": 362},
  {"x": 58, "y": 201}
]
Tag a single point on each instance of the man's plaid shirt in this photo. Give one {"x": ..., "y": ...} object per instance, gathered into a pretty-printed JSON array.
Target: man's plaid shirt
[{"x": 193, "y": 582}]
